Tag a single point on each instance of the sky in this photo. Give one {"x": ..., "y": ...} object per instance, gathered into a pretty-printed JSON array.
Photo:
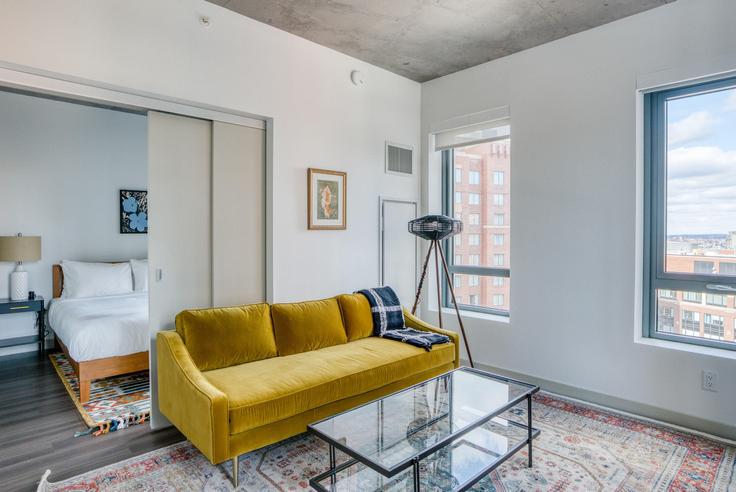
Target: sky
[{"x": 701, "y": 164}]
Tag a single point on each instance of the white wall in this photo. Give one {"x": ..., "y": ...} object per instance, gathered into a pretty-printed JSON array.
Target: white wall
[
  {"x": 320, "y": 119},
  {"x": 575, "y": 257},
  {"x": 61, "y": 168}
]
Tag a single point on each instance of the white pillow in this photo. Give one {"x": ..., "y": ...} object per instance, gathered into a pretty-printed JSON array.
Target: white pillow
[
  {"x": 83, "y": 279},
  {"x": 140, "y": 275}
]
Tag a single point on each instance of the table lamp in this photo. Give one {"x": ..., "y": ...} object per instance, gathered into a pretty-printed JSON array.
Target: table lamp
[{"x": 19, "y": 248}]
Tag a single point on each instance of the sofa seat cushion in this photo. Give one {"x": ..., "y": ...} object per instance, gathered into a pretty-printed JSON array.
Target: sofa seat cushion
[{"x": 274, "y": 389}]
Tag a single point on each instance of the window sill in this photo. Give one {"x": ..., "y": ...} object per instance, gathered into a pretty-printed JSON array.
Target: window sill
[
  {"x": 473, "y": 315},
  {"x": 687, "y": 347}
]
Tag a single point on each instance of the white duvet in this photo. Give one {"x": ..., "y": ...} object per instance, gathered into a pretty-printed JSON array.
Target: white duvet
[{"x": 100, "y": 327}]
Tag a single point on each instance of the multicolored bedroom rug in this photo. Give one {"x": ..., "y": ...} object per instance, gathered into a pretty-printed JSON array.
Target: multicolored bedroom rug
[
  {"x": 581, "y": 449},
  {"x": 115, "y": 403}
]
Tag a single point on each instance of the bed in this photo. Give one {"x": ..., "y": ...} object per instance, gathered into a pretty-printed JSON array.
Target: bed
[{"x": 101, "y": 336}]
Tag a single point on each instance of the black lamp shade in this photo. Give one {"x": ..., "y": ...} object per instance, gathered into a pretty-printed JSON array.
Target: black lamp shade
[{"x": 435, "y": 227}]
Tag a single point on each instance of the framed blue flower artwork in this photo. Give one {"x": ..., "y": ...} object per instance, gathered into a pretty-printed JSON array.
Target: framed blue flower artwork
[{"x": 133, "y": 212}]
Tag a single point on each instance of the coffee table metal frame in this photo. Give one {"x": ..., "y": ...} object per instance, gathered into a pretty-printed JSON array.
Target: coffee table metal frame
[{"x": 414, "y": 461}]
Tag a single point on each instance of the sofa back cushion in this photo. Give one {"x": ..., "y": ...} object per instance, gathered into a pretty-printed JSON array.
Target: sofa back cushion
[
  {"x": 356, "y": 315},
  {"x": 304, "y": 326},
  {"x": 223, "y": 337}
]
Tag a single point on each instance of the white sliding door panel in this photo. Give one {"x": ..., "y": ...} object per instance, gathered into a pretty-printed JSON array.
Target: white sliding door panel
[
  {"x": 399, "y": 249},
  {"x": 238, "y": 214},
  {"x": 179, "y": 243}
]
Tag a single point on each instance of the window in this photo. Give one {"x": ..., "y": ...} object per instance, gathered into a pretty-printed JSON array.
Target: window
[
  {"x": 690, "y": 323},
  {"x": 692, "y": 297},
  {"x": 703, "y": 267},
  {"x": 458, "y": 197},
  {"x": 458, "y": 175},
  {"x": 667, "y": 294},
  {"x": 488, "y": 274},
  {"x": 458, "y": 240},
  {"x": 457, "y": 281},
  {"x": 715, "y": 299},
  {"x": 713, "y": 326},
  {"x": 690, "y": 249},
  {"x": 666, "y": 319}
]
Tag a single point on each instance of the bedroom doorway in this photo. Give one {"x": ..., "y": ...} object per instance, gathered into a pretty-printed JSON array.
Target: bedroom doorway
[
  {"x": 86, "y": 168},
  {"x": 229, "y": 187}
]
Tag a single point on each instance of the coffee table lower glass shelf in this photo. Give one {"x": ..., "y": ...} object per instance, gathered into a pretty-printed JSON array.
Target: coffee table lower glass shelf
[{"x": 444, "y": 434}]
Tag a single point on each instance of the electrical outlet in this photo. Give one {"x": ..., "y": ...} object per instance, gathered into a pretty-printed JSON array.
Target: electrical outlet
[{"x": 710, "y": 381}]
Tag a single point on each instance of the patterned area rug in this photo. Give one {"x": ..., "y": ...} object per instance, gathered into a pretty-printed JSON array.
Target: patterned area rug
[
  {"x": 581, "y": 448},
  {"x": 115, "y": 403}
]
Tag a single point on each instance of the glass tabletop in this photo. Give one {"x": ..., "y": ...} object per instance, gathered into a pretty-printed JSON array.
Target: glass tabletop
[
  {"x": 387, "y": 434},
  {"x": 444, "y": 470}
]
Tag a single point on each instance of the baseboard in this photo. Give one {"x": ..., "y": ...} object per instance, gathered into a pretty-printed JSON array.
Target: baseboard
[{"x": 709, "y": 428}]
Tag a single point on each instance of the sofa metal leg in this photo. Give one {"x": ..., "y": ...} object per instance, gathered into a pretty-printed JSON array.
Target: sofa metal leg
[{"x": 235, "y": 472}]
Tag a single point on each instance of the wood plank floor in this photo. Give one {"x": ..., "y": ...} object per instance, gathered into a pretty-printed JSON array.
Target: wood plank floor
[{"x": 37, "y": 425}]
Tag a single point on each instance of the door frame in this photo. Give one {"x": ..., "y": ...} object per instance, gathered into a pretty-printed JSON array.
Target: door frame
[{"x": 382, "y": 240}]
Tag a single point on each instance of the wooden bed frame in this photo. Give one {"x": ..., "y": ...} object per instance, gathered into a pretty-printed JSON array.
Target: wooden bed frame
[{"x": 98, "y": 368}]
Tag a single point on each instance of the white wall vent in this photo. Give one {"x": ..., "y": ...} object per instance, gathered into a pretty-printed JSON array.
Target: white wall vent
[{"x": 399, "y": 159}]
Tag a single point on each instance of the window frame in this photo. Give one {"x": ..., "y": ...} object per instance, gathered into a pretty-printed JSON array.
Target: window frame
[
  {"x": 655, "y": 219},
  {"x": 448, "y": 193}
]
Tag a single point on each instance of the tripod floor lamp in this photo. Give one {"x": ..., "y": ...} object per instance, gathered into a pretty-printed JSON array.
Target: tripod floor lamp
[{"x": 436, "y": 228}]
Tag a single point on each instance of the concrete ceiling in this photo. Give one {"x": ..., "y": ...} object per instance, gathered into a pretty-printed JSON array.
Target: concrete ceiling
[{"x": 426, "y": 39}]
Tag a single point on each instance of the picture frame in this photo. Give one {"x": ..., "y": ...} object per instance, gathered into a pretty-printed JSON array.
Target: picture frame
[
  {"x": 326, "y": 199},
  {"x": 133, "y": 211}
]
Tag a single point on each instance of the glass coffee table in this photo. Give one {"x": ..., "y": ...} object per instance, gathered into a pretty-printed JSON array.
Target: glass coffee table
[{"x": 446, "y": 433}]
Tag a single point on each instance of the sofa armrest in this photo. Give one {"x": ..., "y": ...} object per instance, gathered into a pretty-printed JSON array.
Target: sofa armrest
[
  {"x": 416, "y": 323},
  {"x": 190, "y": 401}
]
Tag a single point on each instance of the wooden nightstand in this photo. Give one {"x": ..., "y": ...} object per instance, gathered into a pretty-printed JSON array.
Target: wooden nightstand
[{"x": 31, "y": 305}]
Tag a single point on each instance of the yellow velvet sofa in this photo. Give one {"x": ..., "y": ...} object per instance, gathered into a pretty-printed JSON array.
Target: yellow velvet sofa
[{"x": 238, "y": 378}]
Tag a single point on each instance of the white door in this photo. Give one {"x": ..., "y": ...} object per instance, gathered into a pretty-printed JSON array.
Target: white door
[
  {"x": 179, "y": 240},
  {"x": 238, "y": 214},
  {"x": 206, "y": 244},
  {"x": 399, "y": 249}
]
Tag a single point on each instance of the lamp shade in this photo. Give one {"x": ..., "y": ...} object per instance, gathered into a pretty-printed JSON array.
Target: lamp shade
[
  {"x": 435, "y": 227},
  {"x": 20, "y": 248}
]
